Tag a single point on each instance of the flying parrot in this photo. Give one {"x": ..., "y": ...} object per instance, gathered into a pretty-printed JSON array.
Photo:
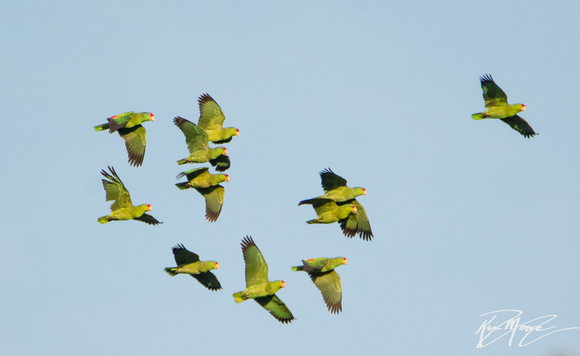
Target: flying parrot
[
  {"x": 189, "y": 263},
  {"x": 199, "y": 150},
  {"x": 258, "y": 287},
  {"x": 122, "y": 208},
  {"x": 129, "y": 127},
  {"x": 498, "y": 108},
  {"x": 335, "y": 189},
  {"x": 321, "y": 271},
  {"x": 211, "y": 119},
  {"x": 207, "y": 185}
]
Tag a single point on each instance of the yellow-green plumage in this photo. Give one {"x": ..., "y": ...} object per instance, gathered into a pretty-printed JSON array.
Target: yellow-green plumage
[
  {"x": 130, "y": 129},
  {"x": 198, "y": 146},
  {"x": 258, "y": 287},
  {"x": 336, "y": 190},
  {"x": 498, "y": 108},
  {"x": 122, "y": 208},
  {"x": 189, "y": 263},
  {"x": 322, "y": 273},
  {"x": 211, "y": 119},
  {"x": 208, "y": 186}
]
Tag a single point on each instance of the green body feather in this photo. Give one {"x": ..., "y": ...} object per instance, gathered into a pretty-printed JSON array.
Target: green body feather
[
  {"x": 258, "y": 287},
  {"x": 129, "y": 127},
  {"x": 198, "y": 146},
  {"x": 322, "y": 273},
  {"x": 188, "y": 263},
  {"x": 122, "y": 208},
  {"x": 498, "y": 108}
]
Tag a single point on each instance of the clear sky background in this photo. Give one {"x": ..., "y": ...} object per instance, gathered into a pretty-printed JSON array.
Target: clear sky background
[{"x": 469, "y": 217}]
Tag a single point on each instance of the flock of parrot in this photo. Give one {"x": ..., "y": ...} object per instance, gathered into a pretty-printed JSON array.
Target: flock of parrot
[{"x": 338, "y": 204}]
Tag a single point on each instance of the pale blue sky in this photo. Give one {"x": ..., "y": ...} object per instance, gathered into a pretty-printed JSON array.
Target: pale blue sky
[{"x": 469, "y": 217}]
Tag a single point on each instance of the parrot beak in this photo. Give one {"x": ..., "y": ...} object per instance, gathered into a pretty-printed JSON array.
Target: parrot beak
[
  {"x": 227, "y": 178},
  {"x": 344, "y": 261},
  {"x": 237, "y": 132},
  {"x": 523, "y": 107},
  {"x": 225, "y": 151},
  {"x": 149, "y": 208},
  {"x": 282, "y": 284},
  {"x": 217, "y": 265},
  {"x": 152, "y": 118},
  {"x": 364, "y": 191}
]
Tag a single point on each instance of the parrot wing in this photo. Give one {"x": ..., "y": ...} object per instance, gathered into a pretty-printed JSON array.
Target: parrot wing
[
  {"x": 135, "y": 141},
  {"x": 276, "y": 307},
  {"x": 115, "y": 190}
]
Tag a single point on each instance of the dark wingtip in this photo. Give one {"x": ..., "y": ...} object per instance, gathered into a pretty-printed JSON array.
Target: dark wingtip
[{"x": 486, "y": 78}]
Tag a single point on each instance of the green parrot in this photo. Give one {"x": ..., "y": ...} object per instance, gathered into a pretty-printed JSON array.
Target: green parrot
[
  {"x": 335, "y": 189},
  {"x": 189, "y": 263},
  {"x": 321, "y": 271},
  {"x": 129, "y": 127},
  {"x": 199, "y": 150},
  {"x": 498, "y": 108},
  {"x": 328, "y": 211},
  {"x": 211, "y": 119},
  {"x": 122, "y": 208},
  {"x": 258, "y": 287},
  {"x": 207, "y": 185}
]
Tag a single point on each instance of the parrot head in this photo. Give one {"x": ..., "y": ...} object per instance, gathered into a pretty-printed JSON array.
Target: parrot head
[{"x": 353, "y": 209}]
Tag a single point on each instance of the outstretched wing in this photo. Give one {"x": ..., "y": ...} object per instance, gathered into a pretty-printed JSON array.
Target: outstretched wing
[
  {"x": 214, "y": 201},
  {"x": 330, "y": 180},
  {"x": 520, "y": 125},
  {"x": 256, "y": 266},
  {"x": 221, "y": 163},
  {"x": 183, "y": 256},
  {"x": 119, "y": 121},
  {"x": 195, "y": 137},
  {"x": 135, "y": 141},
  {"x": 148, "y": 219},
  {"x": 211, "y": 116},
  {"x": 208, "y": 280},
  {"x": 276, "y": 307},
  {"x": 492, "y": 93},
  {"x": 116, "y": 190},
  {"x": 329, "y": 285},
  {"x": 357, "y": 223}
]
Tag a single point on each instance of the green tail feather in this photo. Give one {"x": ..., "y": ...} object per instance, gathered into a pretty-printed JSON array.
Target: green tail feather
[
  {"x": 171, "y": 271},
  {"x": 182, "y": 161},
  {"x": 313, "y": 221},
  {"x": 478, "y": 116},
  {"x": 298, "y": 268},
  {"x": 238, "y": 297},
  {"x": 102, "y": 127},
  {"x": 104, "y": 219},
  {"x": 182, "y": 186}
]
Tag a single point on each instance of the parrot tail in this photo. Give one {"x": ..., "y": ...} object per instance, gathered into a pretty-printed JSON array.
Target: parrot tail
[
  {"x": 307, "y": 201},
  {"x": 171, "y": 271},
  {"x": 104, "y": 219},
  {"x": 313, "y": 221},
  {"x": 182, "y": 186},
  {"x": 239, "y": 297},
  {"x": 102, "y": 127},
  {"x": 478, "y": 116},
  {"x": 182, "y": 161},
  {"x": 298, "y": 268}
]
